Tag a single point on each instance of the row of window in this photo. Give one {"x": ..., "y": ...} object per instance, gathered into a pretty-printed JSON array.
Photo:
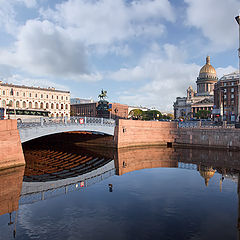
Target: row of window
[
  {"x": 225, "y": 96},
  {"x": 36, "y": 105},
  {"x": 225, "y": 90},
  {"x": 31, "y": 95},
  {"x": 231, "y": 83}
]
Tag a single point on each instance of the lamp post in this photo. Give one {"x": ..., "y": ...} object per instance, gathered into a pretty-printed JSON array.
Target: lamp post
[{"x": 237, "y": 18}]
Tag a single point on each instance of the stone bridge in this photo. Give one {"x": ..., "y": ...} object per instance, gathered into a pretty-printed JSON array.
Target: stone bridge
[{"x": 34, "y": 128}]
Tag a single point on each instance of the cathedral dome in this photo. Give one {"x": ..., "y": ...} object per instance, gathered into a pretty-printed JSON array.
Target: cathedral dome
[{"x": 207, "y": 71}]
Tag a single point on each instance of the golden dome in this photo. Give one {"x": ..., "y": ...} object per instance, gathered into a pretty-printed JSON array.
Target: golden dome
[
  {"x": 207, "y": 68},
  {"x": 207, "y": 173}
]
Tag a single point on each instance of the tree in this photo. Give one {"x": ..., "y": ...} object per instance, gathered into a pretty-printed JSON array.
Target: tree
[
  {"x": 203, "y": 114},
  {"x": 136, "y": 113},
  {"x": 152, "y": 115}
]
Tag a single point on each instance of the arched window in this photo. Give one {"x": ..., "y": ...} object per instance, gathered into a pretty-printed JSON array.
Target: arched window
[
  {"x": 17, "y": 104},
  {"x": 10, "y": 104},
  {"x": 52, "y": 115},
  {"x": 57, "y": 115},
  {"x": 52, "y": 106},
  {"x": 30, "y": 105},
  {"x": 61, "y": 106},
  {"x": 57, "y": 106},
  {"x": 24, "y": 104},
  {"x": 36, "y": 105},
  {"x": 4, "y": 103},
  {"x": 66, "y": 107},
  {"x": 47, "y": 105},
  {"x": 41, "y": 105},
  {"x": 62, "y": 115}
]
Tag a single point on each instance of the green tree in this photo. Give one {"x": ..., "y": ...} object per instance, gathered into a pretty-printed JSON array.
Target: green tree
[
  {"x": 136, "y": 113},
  {"x": 152, "y": 115},
  {"x": 203, "y": 114}
]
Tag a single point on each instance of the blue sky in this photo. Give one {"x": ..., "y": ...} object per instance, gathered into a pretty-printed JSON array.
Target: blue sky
[{"x": 143, "y": 52}]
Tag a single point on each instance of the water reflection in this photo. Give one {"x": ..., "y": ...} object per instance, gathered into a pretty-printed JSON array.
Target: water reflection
[{"x": 59, "y": 170}]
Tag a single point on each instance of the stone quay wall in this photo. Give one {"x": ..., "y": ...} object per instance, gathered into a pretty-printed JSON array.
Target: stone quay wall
[
  {"x": 134, "y": 133},
  {"x": 228, "y": 138},
  {"x": 11, "y": 154}
]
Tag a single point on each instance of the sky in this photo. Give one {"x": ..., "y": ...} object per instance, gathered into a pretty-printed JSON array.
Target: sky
[{"x": 143, "y": 52}]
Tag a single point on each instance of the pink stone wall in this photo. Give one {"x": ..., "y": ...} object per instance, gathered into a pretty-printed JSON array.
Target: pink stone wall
[
  {"x": 11, "y": 153},
  {"x": 132, "y": 133}
]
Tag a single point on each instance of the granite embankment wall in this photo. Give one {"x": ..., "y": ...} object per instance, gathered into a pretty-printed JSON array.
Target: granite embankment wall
[
  {"x": 228, "y": 138},
  {"x": 11, "y": 154},
  {"x": 131, "y": 133}
]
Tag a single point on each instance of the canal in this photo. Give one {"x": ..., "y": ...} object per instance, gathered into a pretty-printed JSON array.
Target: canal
[{"x": 70, "y": 191}]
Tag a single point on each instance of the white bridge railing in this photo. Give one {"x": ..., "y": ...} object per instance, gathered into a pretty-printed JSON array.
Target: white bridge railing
[{"x": 45, "y": 121}]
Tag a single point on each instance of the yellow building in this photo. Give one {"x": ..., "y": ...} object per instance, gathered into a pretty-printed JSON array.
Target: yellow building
[{"x": 15, "y": 97}]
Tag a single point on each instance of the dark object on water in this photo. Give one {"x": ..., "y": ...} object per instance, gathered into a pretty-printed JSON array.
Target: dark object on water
[{"x": 110, "y": 187}]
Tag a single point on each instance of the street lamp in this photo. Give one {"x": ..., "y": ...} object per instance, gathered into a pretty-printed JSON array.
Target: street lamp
[{"x": 238, "y": 21}]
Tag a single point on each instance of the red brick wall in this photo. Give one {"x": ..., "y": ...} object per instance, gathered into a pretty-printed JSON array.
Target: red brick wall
[
  {"x": 130, "y": 133},
  {"x": 11, "y": 153}
]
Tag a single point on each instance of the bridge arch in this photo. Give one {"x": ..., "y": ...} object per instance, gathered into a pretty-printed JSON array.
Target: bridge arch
[{"x": 45, "y": 126}]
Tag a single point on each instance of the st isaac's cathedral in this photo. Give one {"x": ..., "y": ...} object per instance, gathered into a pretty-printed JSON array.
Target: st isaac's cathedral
[{"x": 202, "y": 99}]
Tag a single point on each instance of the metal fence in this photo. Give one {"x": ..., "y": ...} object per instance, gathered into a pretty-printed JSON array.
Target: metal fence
[{"x": 204, "y": 124}]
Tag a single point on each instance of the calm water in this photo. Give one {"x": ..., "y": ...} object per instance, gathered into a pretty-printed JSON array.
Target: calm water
[{"x": 154, "y": 193}]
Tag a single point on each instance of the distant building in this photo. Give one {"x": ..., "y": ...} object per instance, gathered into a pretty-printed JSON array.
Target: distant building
[
  {"x": 84, "y": 109},
  {"x": 33, "y": 99},
  {"x": 112, "y": 110},
  {"x": 226, "y": 97},
  {"x": 202, "y": 99},
  {"x": 80, "y": 101}
]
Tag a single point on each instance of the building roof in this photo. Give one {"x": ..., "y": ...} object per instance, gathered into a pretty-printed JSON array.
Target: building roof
[
  {"x": 50, "y": 89},
  {"x": 208, "y": 68},
  {"x": 230, "y": 76}
]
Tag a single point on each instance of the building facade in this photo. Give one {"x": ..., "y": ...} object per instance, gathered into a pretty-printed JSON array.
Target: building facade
[
  {"x": 84, "y": 109},
  {"x": 226, "y": 94},
  {"x": 80, "y": 101},
  {"x": 115, "y": 111},
  {"x": 202, "y": 99},
  {"x": 17, "y": 97}
]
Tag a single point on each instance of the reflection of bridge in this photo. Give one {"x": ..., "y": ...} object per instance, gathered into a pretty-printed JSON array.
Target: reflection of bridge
[
  {"x": 34, "y": 128},
  {"x": 36, "y": 191}
]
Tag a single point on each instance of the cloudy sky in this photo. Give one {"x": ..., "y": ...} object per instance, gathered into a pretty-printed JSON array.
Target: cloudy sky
[{"x": 143, "y": 52}]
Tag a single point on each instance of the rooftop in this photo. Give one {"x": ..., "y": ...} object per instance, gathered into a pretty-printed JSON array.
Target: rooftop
[{"x": 50, "y": 89}]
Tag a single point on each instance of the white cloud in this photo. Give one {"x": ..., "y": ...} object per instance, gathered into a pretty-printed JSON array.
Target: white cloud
[
  {"x": 44, "y": 49},
  {"x": 8, "y": 12},
  {"x": 215, "y": 18},
  {"x": 28, "y": 3},
  {"x": 226, "y": 70},
  {"x": 36, "y": 82},
  {"x": 7, "y": 17},
  {"x": 107, "y": 21},
  {"x": 163, "y": 78}
]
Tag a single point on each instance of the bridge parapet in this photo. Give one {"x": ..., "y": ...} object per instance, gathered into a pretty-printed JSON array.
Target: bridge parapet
[
  {"x": 33, "y": 128},
  {"x": 45, "y": 121}
]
